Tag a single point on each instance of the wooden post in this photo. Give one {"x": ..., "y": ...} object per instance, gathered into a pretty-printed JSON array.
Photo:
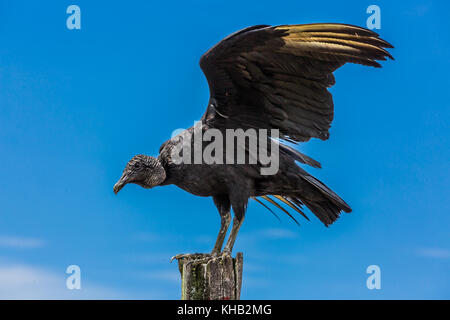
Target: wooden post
[{"x": 210, "y": 278}]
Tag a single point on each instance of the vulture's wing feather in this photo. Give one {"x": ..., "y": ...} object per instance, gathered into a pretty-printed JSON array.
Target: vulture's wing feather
[{"x": 277, "y": 76}]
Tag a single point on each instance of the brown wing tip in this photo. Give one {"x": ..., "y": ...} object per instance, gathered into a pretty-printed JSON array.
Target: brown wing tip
[{"x": 345, "y": 39}]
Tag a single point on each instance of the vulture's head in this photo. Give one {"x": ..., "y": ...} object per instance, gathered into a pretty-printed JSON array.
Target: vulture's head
[{"x": 142, "y": 170}]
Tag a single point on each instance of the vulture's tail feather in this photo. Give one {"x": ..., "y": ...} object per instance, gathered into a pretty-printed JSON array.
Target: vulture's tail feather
[{"x": 317, "y": 197}]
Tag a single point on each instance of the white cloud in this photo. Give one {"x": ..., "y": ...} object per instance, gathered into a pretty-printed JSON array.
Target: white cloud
[
  {"x": 20, "y": 242},
  {"x": 18, "y": 281},
  {"x": 437, "y": 253}
]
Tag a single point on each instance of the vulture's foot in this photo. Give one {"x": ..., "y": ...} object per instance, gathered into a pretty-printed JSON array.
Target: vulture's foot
[
  {"x": 220, "y": 255},
  {"x": 201, "y": 257},
  {"x": 216, "y": 253},
  {"x": 192, "y": 256},
  {"x": 226, "y": 252}
]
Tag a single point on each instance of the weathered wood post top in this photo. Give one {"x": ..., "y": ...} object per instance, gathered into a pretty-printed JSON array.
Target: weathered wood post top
[{"x": 205, "y": 277}]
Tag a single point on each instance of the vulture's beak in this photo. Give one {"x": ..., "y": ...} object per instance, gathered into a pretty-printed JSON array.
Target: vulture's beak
[{"x": 121, "y": 183}]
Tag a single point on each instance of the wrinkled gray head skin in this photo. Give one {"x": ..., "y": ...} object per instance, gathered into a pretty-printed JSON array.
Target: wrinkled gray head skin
[{"x": 142, "y": 170}]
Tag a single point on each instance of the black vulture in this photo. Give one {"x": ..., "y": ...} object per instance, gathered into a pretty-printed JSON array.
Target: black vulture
[{"x": 264, "y": 78}]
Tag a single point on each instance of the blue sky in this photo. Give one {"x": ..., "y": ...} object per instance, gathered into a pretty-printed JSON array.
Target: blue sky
[{"x": 75, "y": 105}]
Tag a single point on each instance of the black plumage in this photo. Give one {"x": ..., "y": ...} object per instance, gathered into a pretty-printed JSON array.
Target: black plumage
[{"x": 266, "y": 77}]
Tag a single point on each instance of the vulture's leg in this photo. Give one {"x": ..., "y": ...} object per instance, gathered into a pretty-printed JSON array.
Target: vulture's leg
[
  {"x": 222, "y": 203},
  {"x": 239, "y": 213}
]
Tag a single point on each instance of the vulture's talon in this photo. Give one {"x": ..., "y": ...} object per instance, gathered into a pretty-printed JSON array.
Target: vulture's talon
[
  {"x": 226, "y": 253},
  {"x": 215, "y": 254},
  {"x": 191, "y": 256}
]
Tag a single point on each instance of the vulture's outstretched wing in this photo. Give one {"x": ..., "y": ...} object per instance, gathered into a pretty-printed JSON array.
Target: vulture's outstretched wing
[{"x": 277, "y": 77}]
